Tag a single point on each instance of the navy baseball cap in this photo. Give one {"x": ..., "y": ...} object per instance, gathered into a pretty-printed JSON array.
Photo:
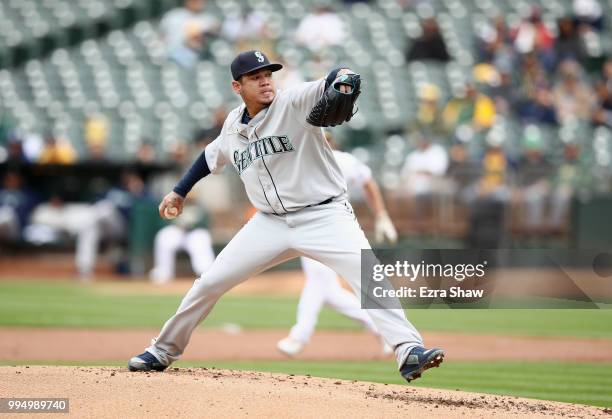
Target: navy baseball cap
[{"x": 249, "y": 61}]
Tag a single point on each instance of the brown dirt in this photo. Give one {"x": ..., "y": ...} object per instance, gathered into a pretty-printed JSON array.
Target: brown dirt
[
  {"x": 276, "y": 283},
  {"x": 231, "y": 344},
  {"x": 115, "y": 392}
]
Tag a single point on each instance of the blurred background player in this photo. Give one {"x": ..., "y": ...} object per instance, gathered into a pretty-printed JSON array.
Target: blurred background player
[
  {"x": 183, "y": 31},
  {"x": 322, "y": 285},
  {"x": 189, "y": 232}
]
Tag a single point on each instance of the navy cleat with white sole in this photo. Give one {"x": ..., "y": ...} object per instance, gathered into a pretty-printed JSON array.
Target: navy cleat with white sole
[
  {"x": 419, "y": 360},
  {"x": 145, "y": 362}
]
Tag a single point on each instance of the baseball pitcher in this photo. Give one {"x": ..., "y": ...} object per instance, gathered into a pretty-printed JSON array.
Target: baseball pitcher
[{"x": 275, "y": 142}]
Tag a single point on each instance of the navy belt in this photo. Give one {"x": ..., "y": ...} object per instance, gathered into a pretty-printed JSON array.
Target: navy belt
[{"x": 327, "y": 201}]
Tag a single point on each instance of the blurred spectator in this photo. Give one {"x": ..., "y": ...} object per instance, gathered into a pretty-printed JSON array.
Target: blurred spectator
[
  {"x": 488, "y": 196},
  {"x": 21, "y": 148},
  {"x": 505, "y": 95},
  {"x": 603, "y": 91},
  {"x": 429, "y": 113},
  {"x": 607, "y": 72},
  {"x": 430, "y": 45},
  {"x": 567, "y": 179},
  {"x": 412, "y": 4},
  {"x": 461, "y": 169},
  {"x": 183, "y": 31},
  {"x": 603, "y": 109},
  {"x": 55, "y": 219},
  {"x": 110, "y": 219},
  {"x": 422, "y": 173},
  {"x": 188, "y": 232},
  {"x": 532, "y": 76},
  {"x": 486, "y": 75},
  {"x": 32, "y": 145},
  {"x": 209, "y": 134},
  {"x": 532, "y": 36},
  {"x": 290, "y": 76},
  {"x": 534, "y": 186},
  {"x": 569, "y": 45},
  {"x": 243, "y": 26},
  {"x": 96, "y": 152},
  {"x": 539, "y": 109},
  {"x": 146, "y": 152},
  {"x": 469, "y": 108},
  {"x": 248, "y": 30},
  {"x": 588, "y": 12},
  {"x": 57, "y": 151},
  {"x": 489, "y": 35},
  {"x": 493, "y": 180},
  {"x": 16, "y": 204},
  {"x": 96, "y": 137},
  {"x": 107, "y": 220},
  {"x": 15, "y": 152},
  {"x": 320, "y": 29},
  {"x": 494, "y": 45},
  {"x": 573, "y": 98}
]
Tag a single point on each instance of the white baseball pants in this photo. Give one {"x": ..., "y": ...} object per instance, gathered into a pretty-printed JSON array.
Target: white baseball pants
[{"x": 328, "y": 233}]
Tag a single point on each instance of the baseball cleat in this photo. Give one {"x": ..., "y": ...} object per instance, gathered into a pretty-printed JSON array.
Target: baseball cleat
[
  {"x": 145, "y": 362},
  {"x": 289, "y": 346},
  {"x": 419, "y": 360}
]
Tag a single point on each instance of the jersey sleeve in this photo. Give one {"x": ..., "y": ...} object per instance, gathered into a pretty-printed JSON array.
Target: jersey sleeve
[
  {"x": 217, "y": 155},
  {"x": 304, "y": 96},
  {"x": 211, "y": 160}
]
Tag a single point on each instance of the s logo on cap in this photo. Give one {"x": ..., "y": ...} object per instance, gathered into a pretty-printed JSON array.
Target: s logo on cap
[{"x": 259, "y": 56}]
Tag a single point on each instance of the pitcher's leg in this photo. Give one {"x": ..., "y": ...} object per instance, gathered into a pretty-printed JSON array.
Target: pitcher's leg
[
  {"x": 332, "y": 236},
  {"x": 260, "y": 244}
]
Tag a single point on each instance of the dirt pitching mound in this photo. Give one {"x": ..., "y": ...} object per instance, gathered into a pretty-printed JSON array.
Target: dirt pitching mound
[{"x": 194, "y": 392}]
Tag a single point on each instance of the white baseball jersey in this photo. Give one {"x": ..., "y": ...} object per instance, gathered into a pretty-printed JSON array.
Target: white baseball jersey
[
  {"x": 355, "y": 173},
  {"x": 285, "y": 163},
  {"x": 287, "y": 168}
]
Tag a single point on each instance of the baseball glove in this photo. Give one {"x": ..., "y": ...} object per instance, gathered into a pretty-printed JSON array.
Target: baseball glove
[{"x": 336, "y": 107}]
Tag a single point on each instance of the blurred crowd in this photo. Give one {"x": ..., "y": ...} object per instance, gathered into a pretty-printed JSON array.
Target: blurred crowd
[
  {"x": 545, "y": 80},
  {"x": 459, "y": 162}
]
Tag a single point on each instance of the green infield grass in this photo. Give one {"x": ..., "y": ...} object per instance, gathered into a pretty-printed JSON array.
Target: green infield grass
[{"x": 70, "y": 304}]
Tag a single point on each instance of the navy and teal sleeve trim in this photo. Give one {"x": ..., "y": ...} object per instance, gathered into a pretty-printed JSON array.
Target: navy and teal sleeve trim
[{"x": 198, "y": 170}]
